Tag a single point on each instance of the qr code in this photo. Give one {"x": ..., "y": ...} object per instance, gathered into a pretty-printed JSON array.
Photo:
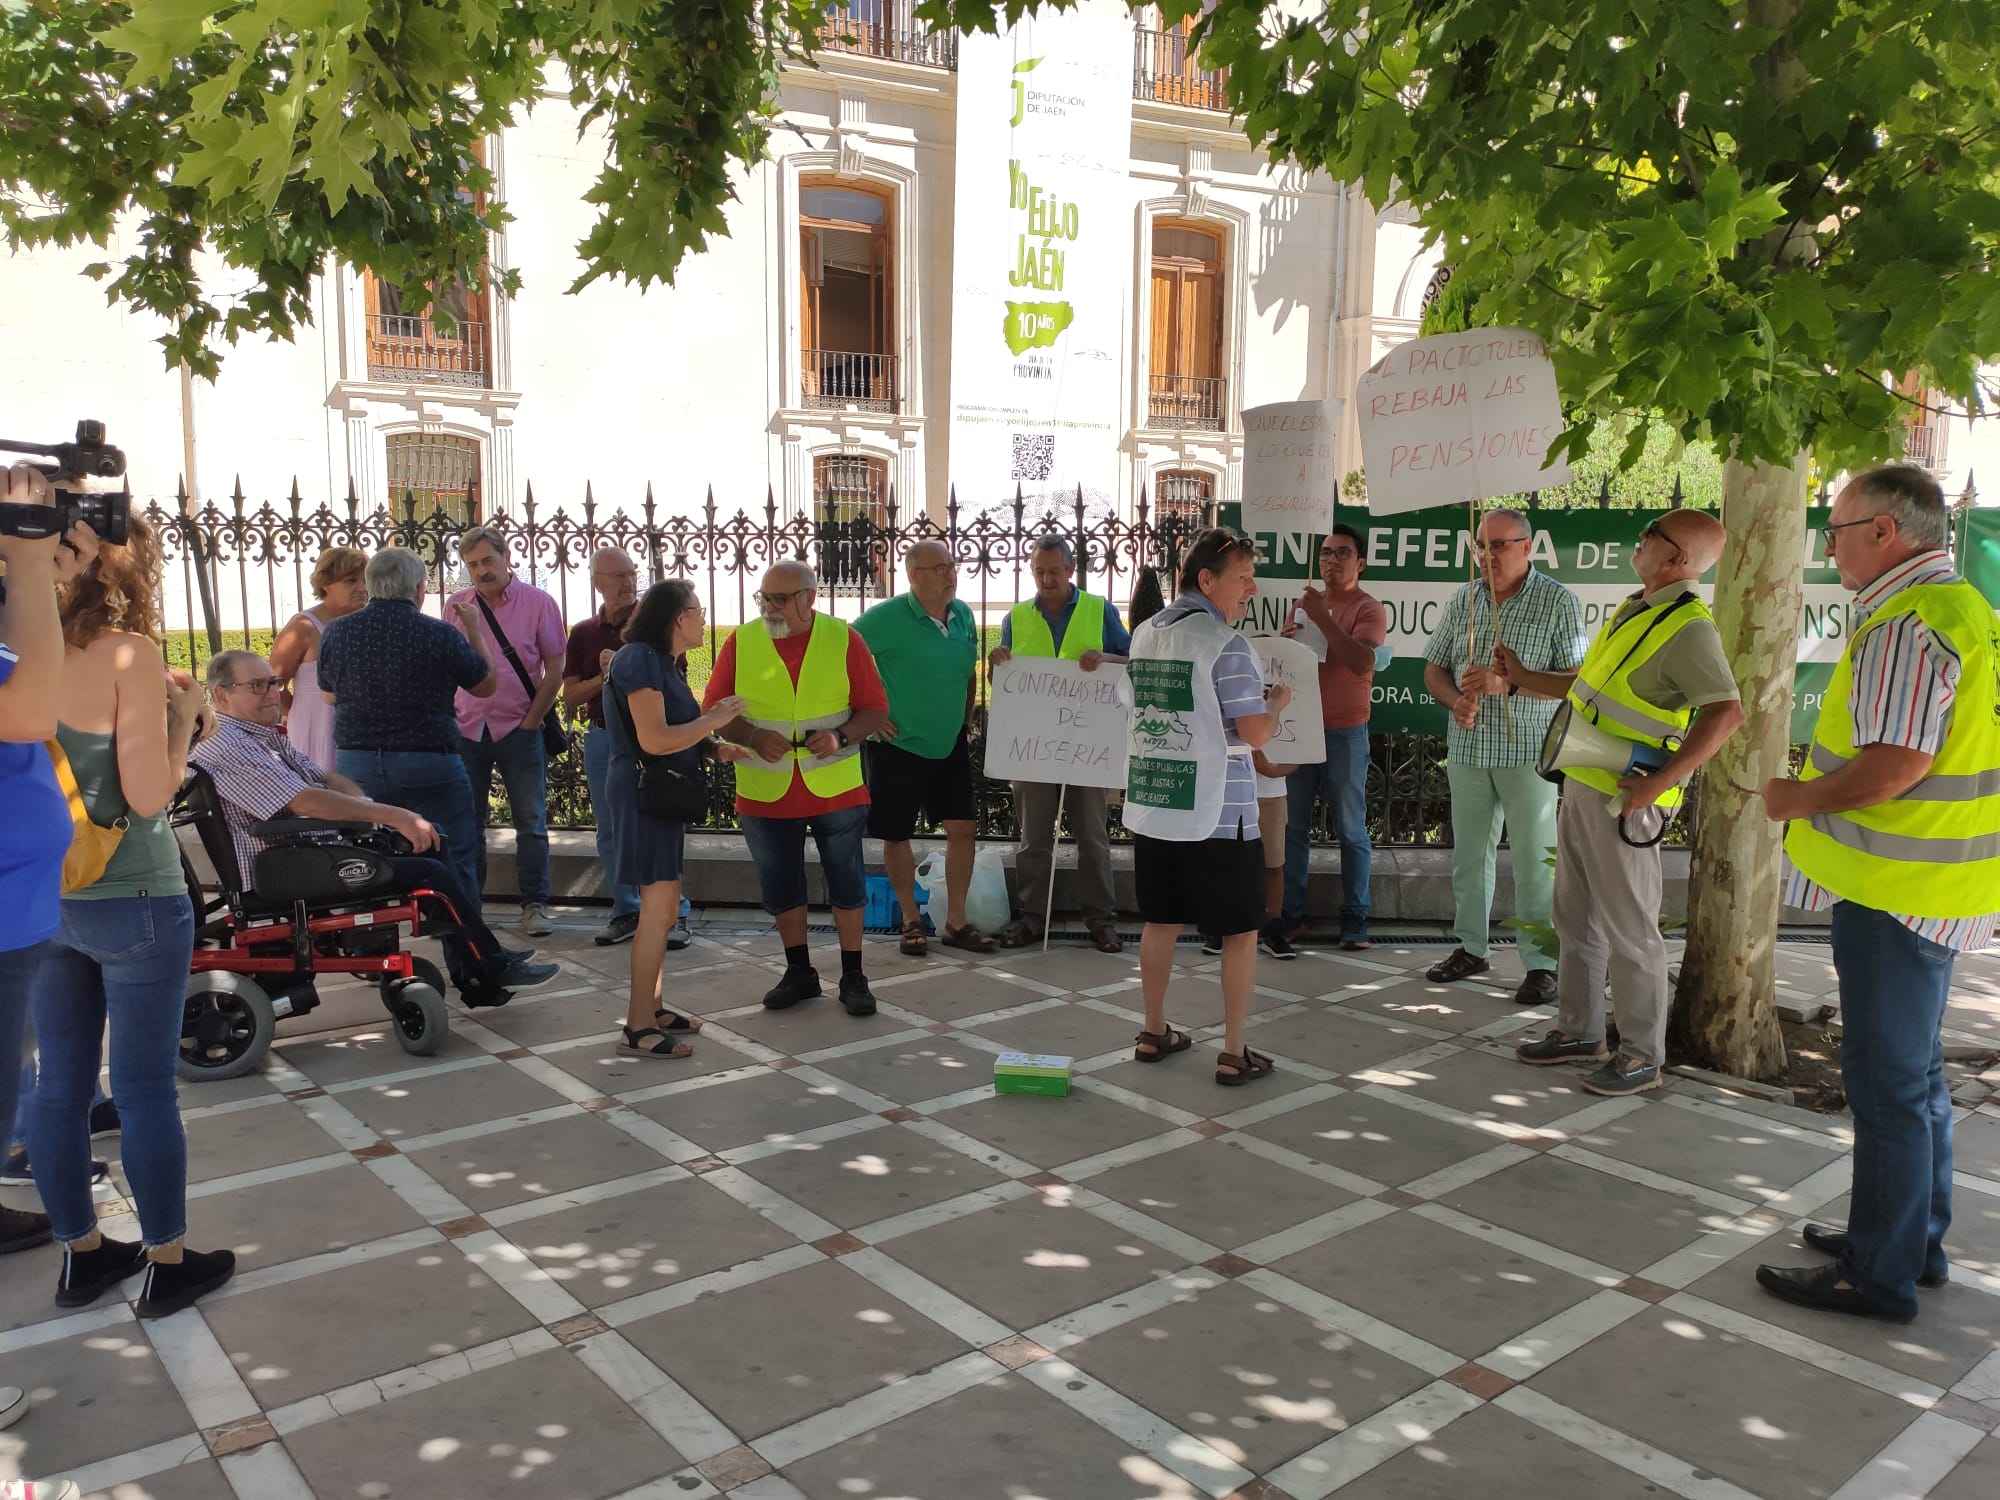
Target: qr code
[{"x": 1034, "y": 455}]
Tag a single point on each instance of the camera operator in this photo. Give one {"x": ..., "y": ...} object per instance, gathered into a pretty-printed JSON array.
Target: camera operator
[{"x": 35, "y": 835}]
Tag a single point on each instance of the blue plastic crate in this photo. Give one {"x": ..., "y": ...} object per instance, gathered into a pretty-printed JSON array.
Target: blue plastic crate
[{"x": 882, "y": 912}]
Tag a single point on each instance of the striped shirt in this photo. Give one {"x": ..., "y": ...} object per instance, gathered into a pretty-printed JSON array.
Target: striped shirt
[
  {"x": 257, "y": 772},
  {"x": 1542, "y": 623},
  {"x": 1905, "y": 679},
  {"x": 1239, "y": 692}
]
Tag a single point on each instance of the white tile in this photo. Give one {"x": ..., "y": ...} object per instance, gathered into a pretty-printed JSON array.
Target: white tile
[
  {"x": 1807, "y": 1351},
  {"x": 1463, "y": 1173},
  {"x": 412, "y": 1075},
  {"x": 877, "y": 1408},
  {"x": 1285, "y": 1156},
  {"x": 1816, "y": 1191},
  {"x": 804, "y": 1140},
  {"x": 943, "y": 1308},
  {"x": 264, "y": 1176},
  {"x": 546, "y": 1115},
  {"x": 728, "y": 1279},
  {"x": 1659, "y": 1182},
  {"x": 1417, "y": 1418},
  {"x": 265, "y": 1473},
  {"x": 237, "y": 1106},
  {"x": 1593, "y": 1116},
  {"x": 127, "y": 1468},
  {"x": 658, "y": 1399},
  {"x": 1535, "y": 1350},
  {"x": 338, "y": 1121},
  {"x": 1520, "y": 1244},
  {"x": 1743, "y": 1119},
  {"x": 933, "y": 1214},
  {"x": 1174, "y": 1241},
  {"x": 1608, "y": 1443},
  {"x": 332, "y": 1260},
  {"x": 546, "y": 1073},
  {"x": 1505, "y": 1130},
  {"x": 1314, "y": 1231},
  {"x": 801, "y": 1223},
  {"x": 1915, "y": 1460},
  {"x": 1114, "y": 1312},
  {"x": 595, "y": 1192},
  {"x": 1124, "y": 1156},
  {"x": 840, "y": 1088},
  {"x": 206, "y": 1381},
  {"x": 1206, "y": 1468},
  {"x": 692, "y": 1085},
  {"x": 417, "y": 1188},
  {"x": 874, "y": 1043},
  {"x": 685, "y": 1484},
  {"x": 1321, "y": 1308},
  {"x": 959, "y": 1141},
  {"x": 1133, "y": 1099},
  {"x": 770, "y": 1487},
  {"x": 1982, "y": 1383},
  {"x": 650, "y": 1132},
  {"x": 518, "y": 1276},
  {"x": 1687, "y": 1265},
  {"x": 1279, "y": 1104}
]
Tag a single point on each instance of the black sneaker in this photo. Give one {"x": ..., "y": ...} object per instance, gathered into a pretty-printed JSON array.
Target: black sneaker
[
  {"x": 797, "y": 985},
  {"x": 104, "y": 1118},
  {"x": 1274, "y": 942},
  {"x": 21, "y": 1230},
  {"x": 620, "y": 929},
  {"x": 1210, "y": 943},
  {"x": 517, "y": 955},
  {"x": 169, "y": 1288},
  {"x": 855, "y": 995},
  {"x": 17, "y": 1172},
  {"x": 87, "y": 1275}
]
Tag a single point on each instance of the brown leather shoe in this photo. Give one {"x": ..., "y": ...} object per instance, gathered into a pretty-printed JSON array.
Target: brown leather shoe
[
  {"x": 1106, "y": 938},
  {"x": 1537, "y": 988}
]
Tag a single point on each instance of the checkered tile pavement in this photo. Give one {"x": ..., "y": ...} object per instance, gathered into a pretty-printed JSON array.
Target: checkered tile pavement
[{"x": 823, "y": 1259}]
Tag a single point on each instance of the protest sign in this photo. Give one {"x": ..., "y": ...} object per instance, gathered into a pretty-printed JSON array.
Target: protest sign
[
  {"x": 1052, "y": 721},
  {"x": 1287, "y": 501},
  {"x": 1458, "y": 417},
  {"x": 1299, "y": 740}
]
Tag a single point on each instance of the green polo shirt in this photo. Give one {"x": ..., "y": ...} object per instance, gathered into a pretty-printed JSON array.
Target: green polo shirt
[{"x": 925, "y": 666}]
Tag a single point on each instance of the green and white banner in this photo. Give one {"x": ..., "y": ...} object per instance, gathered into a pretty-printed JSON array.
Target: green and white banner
[
  {"x": 1042, "y": 257},
  {"x": 1413, "y": 563}
]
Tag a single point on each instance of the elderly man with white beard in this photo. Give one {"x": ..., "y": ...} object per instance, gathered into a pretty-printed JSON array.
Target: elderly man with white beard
[{"x": 811, "y": 695}]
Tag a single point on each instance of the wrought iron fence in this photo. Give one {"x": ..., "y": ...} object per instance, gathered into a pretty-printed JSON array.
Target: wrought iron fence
[{"x": 250, "y": 564}]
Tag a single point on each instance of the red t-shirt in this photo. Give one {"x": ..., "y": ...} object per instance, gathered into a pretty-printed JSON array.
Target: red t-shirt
[
  {"x": 864, "y": 692},
  {"x": 1344, "y": 695}
]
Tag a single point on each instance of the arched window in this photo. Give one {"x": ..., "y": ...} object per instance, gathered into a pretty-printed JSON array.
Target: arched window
[
  {"x": 847, "y": 325},
  {"x": 1184, "y": 497},
  {"x": 850, "y": 507},
  {"x": 437, "y": 470}
]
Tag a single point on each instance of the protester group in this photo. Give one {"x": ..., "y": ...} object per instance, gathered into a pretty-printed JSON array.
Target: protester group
[{"x": 370, "y": 710}]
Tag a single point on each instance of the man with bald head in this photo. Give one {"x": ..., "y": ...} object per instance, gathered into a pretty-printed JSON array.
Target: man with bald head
[
  {"x": 811, "y": 695},
  {"x": 927, "y": 648},
  {"x": 1655, "y": 675}
]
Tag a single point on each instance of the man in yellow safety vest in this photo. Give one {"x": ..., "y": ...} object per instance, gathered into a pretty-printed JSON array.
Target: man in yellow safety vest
[
  {"x": 811, "y": 695},
  {"x": 1655, "y": 675},
  {"x": 1895, "y": 826}
]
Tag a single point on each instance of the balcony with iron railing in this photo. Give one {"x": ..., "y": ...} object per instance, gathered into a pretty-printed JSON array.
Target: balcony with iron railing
[
  {"x": 888, "y": 29},
  {"x": 865, "y": 382},
  {"x": 1164, "y": 71},
  {"x": 1187, "y": 403},
  {"x": 1924, "y": 445},
  {"x": 410, "y": 347}
]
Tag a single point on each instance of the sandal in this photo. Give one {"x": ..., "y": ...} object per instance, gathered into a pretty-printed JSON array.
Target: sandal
[
  {"x": 1019, "y": 933},
  {"x": 968, "y": 937},
  {"x": 666, "y": 1046},
  {"x": 1105, "y": 937},
  {"x": 673, "y": 1020},
  {"x": 1164, "y": 1044},
  {"x": 1241, "y": 1067},
  {"x": 915, "y": 943}
]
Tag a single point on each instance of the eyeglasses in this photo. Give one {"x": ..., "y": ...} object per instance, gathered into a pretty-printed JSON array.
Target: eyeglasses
[
  {"x": 1654, "y": 528},
  {"x": 1339, "y": 554},
  {"x": 1482, "y": 548},
  {"x": 943, "y": 567},
  {"x": 258, "y": 685},
  {"x": 1828, "y": 531},
  {"x": 779, "y": 601}
]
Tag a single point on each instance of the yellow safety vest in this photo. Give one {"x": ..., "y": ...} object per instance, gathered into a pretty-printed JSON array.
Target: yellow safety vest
[
  {"x": 1032, "y": 636},
  {"x": 1602, "y": 692},
  {"x": 817, "y": 701},
  {"x": 1935, "y": 850}
]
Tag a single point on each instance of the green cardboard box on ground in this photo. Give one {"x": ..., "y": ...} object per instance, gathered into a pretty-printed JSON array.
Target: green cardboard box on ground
[{"x": 1031, "y": 1073}]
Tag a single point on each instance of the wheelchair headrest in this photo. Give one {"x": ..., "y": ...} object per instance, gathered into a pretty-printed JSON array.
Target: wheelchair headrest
[{"x": 199, "y": 806}]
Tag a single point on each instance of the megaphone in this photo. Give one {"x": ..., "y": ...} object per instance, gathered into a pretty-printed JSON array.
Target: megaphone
[{"x": 1573, "y": 742}]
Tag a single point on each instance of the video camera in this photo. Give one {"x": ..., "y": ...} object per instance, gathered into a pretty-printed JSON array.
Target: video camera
[{"x": 89, "y": 457}]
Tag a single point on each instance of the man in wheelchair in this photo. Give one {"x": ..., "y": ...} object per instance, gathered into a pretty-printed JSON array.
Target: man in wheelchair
[{"x": 258, "y": 775}]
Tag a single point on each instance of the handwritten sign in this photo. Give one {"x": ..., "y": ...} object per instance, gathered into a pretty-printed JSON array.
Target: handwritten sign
[
  {"x": 1052, "y": 721},
  {"x": 1458, "y": 417},
  {"x": 1301, "y": 738},
  {"x": 1287, "y": 501}
]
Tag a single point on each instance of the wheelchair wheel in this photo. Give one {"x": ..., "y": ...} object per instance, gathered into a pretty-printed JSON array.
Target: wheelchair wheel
[
  {"x": 420, "y": 1017},
  {"x": 226, "y": 1028},
  {"x": 423, "y": 971}
]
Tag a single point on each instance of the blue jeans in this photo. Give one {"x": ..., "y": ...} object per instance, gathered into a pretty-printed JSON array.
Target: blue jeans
[
  {"x": 25, "y": 1102},
  {"x": 433, "y": 785},
  {"x": 17, "y": 971},
  {"x": 1893, "y": 986},
  {"x": 597, "y": 771},
  {"x": 1343, "y": 781},
  {"x": 778, "y": 850},
  {"x": 524, "y": 772},
  {"x": 123, "y": 960}
]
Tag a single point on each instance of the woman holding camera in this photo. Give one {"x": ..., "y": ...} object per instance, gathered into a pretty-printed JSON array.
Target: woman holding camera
[
  {"x": 656, "y": 727},
  {"x": 121, "y": 953}
]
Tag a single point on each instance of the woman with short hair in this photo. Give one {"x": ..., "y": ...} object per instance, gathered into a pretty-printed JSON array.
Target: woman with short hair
[{"x": 340, "y": 585}]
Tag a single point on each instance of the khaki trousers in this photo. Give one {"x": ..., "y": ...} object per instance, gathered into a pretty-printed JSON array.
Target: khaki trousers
[
  {"x": 1035, "y": 816},
  {"x": 1607, "y": 913}
]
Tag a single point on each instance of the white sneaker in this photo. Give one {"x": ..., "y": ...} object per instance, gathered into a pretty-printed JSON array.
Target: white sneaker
[
  {"x": 39, "y": 1489},
  {"x": 13, "y": 1404},
  {"x": 535, "y": 919}
]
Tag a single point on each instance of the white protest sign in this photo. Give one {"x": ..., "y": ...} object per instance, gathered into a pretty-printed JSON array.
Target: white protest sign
[
  {"x": 1287, "y": 501},
  {"x": 1050, "y": 720},
  {"x": 1458, "y": 417},
  {"x": 1300, "y": 740}
]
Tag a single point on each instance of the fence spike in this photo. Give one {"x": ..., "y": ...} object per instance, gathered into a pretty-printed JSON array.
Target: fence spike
[
  {"x": 647, "y": 504},
  {"x": 589, "y": 503},
  {"x": 296, "y": 502},
  {"x": 1969, "y": 496},
  {"x": 1677, "y": 498},
  {"x": 236, "y": 495},
  {"x": 770, "y": 505},
  {"x": 1604, "y": 492},
  {"x": 709, "y": 506},
  {"x": 1142, "y": 502}
]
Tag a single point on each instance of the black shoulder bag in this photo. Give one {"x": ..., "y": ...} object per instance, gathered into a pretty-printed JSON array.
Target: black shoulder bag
[
  {"x": 555, "y": 739},
  {"x": 664, "y": 790}
]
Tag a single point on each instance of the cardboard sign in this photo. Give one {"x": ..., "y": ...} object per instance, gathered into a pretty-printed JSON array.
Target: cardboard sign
[
  {"x": 1459, "y": 417},
  {"x": 1052, "y": 721},
  {"x": 1300, "y": 740},
  {"x": 1287, "y": 501}
]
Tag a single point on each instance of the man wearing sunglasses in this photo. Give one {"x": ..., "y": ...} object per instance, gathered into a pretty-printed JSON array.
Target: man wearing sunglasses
[
  {"x": 1656, "y": 674},
  {"x": 1894, "y": 826}
]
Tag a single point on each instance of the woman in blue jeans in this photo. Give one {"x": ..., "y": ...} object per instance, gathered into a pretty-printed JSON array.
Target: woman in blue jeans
[{"x": 121, "y": 953}]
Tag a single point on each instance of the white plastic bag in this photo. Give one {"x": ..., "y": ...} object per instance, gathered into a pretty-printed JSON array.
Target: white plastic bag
[{"x": 985, "y": 900}]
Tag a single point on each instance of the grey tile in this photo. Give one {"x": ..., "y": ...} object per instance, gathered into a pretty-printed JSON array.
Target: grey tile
[
  {"x": 1497, "y": 1456},
  {"x": 322, "y": 1332},
  {"x": 609, "y": 1071},
  {"x": 1499, "y": 1088},
  {"x": 764, "y": 1356},
  {"x": 1259, "y": 1381},
  {"x": 1186, "y": 1080},
  {"x": 535, "y": 1161},
  {"x": 1747, "y": 1161},
  {"x": 1977, "y": 1476},
  {"x": 1456, "y": 1008},
  {"x": 1324, "y": 1037},
  {"x": 249, "y": 1140},
  {"x": 954, "y": 996},
  {"x": 74, "y": 1387},
  {"x": 531, "y": 1021},
  {"x": 542, "y": 1426},
  {"x": 1768, "y": 1423},
  {"x": 469, "y": 1096},
  {"x": 1051, "y": 1131},
  {"x": 197, "y": 1481},
  {"x": 858, "y": 1179},
  {"x": 914, "y": 1070},
  {"x": 1383, "y": 1142},
  {"x": 1071, "y": 966},
  {"x": 299, "y": 1216},
  {"x": 769, "y": 1106},
  {"x": 1068, "y": 1028},
  {"x": 1219, "y": 1192},
  {"x": 813, "y": 1024},
  {"x": 1586, "y": 1212},
  {"x": 371, "y": 1052}
]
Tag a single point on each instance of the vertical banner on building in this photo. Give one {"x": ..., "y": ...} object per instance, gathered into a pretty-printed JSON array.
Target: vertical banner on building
[
  {"x": 1287, "y": 503},
  {"x": 1042, "y": 258}
]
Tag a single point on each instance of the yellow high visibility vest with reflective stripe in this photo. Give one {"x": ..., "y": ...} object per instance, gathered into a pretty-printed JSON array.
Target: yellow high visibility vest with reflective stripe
[
  {"x": 817, "y": 701},
  {"x": 1935, "y": 850},
  {"x": 1602, "y": 692},
  {"x": 1032, "y": 636}
]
